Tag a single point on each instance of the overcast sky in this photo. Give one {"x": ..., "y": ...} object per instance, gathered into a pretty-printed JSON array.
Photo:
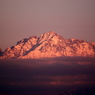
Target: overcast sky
[{"x": 23, "y": 18}]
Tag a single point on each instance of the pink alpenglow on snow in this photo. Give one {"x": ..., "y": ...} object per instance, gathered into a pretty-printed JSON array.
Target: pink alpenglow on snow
[{"x": 49, "y": 45}]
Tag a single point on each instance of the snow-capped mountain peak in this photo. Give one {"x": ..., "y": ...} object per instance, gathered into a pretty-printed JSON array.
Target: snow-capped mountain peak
[{"x": 49, "y": 44}]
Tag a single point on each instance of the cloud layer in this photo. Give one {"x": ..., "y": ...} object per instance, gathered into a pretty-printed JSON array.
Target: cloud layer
[{"x": 46, "y": 75}]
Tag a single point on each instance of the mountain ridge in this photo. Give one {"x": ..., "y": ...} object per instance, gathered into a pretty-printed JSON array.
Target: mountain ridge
[{"x": 49, "y": 44}]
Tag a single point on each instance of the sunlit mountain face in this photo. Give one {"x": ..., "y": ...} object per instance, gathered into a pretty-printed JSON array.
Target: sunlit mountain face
[
  {"x": 49, "y": 45},
  {"x": 48, "y": 65},
  {"x": 48, "y": 76}
]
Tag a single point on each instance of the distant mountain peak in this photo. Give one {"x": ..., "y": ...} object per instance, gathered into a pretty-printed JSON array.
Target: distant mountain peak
[
  {"x": 49, "y": 44},
  {"x": 49, "y": 34}
]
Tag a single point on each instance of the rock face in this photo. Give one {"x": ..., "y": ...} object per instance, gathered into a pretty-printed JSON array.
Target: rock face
[
  {"x": 1, "y": 52},
  {"x": 49, "y": 44}
]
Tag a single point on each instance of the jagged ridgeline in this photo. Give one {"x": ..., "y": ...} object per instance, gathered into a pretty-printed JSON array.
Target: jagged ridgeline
[{"x": 49, "y": 44}]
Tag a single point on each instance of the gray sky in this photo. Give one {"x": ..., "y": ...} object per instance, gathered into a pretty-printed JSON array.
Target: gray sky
[{"x": 23, "y": 18}]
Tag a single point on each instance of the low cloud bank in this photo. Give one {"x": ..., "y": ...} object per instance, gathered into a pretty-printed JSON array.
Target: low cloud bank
[{"x": 36, "y": 75}]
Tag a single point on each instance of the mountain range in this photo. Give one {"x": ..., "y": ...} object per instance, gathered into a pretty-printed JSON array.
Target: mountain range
[{"x": 49, "y": 45}]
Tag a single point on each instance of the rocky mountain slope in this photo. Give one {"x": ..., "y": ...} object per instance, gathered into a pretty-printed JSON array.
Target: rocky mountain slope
[
  {"x": 49, "y": 44},
  {"x": 1, "y": 52}
]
